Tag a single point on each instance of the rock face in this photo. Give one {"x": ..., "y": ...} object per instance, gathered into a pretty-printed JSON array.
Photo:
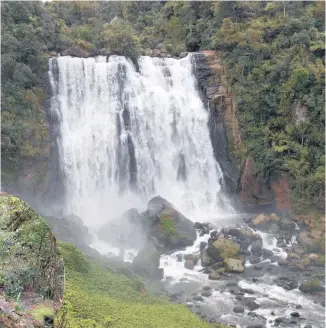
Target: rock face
[
  {"x": 168, "y": 225},
  {"x": 222, "y": 249},
  {"x": 222, "y": 119}
]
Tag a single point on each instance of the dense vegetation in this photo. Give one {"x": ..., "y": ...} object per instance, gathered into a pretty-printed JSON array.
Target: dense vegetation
[
  {"x": 31, "y": 268},
  {"x": 273, "y": 52},
  {"x": 97, "y": 297}
]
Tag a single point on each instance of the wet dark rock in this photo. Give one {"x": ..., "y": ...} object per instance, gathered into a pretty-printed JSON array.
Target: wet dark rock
[
  {"x": 295, "y": 314},
  {"x": 202, "y": 245},
  {"x": 287, "y": 282},
  {"x": 282, "y": 262},
  {"x": 202, "y": 233},
  {"x": 179, "y": 257},
  {"x": 206, "y": 293},
  {"x": 287, "y": 225},
  {"x": 239, "y": 298},
  {"x": 206, "y": 259},
  {"x": 198, "y": 298},
  {"x": 256, "y": 247},
  {"x": 213, "y": 233},
  {"x": 279, "y": 320},
  {"x": 253, "y": 259},
  {"x": 214, "y": 276},
  {"x": 198, "y": 225},
  {"x": 274, "y": 259},
  {"x": 298, "y": 307},
  {"x": 308, "y": 326},
  {"x": 281, "y": 243},
  {"x": 247, "y": 291},
  {"x": 207, "y": 288},
  {"x": 238, "y": 309},
  {"x": 267, "y": 253},
  {"x": 161, "y": 213},
  {"x": 189, "y": 264},
  {"x": 252, "y": 305}
]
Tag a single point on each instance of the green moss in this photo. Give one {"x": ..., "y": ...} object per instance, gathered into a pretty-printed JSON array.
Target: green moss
[
  {"x": 41, "y": 312},
  {"x": 311, "y": 286},
  {"x": 167, "y": 225},
  {"x": 320, "y": 260},
  {"x": 99, "y": 298}
]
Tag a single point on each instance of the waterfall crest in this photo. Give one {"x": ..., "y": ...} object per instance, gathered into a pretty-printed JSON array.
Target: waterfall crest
[{"x": 125, "y": 136}]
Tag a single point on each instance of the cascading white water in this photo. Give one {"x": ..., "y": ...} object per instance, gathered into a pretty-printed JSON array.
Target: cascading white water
[{"x": 126, "y": 136}]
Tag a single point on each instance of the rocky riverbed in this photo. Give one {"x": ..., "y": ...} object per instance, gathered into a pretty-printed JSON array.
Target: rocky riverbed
[{"x": 247, "y": 271}]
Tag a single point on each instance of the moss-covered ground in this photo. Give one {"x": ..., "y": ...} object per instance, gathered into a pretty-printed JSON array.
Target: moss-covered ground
[{"x": 97, "y": 297}]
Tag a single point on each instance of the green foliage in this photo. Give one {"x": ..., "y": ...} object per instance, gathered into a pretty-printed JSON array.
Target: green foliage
[
  {"x": 41, "y": 312},
  {"x": 120, "y": 38},
  {"x": 99, "y": 298},
  {"x": 28, "y": 254}
]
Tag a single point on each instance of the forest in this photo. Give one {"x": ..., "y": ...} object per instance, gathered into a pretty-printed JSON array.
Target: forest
[{"x": 273, "y": 53}]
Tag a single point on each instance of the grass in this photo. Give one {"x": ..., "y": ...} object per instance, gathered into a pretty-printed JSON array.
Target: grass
[
  {"x": 96, "y": 297},
  {"x": 41, "y": 312}
]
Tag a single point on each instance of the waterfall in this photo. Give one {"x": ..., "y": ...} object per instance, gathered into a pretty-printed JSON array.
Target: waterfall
[{"x": 125, "y": 136}]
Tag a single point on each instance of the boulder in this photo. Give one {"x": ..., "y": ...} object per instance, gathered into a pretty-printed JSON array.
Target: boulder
[
  {"x": 233, "y": 265},
  {"x": 147, "y": 263},
  {"x": 183, "y": 54},
  {"x": 307, "y": 242},
  {"x": 222, "y": 249},
  {"x": 168, "y": 225},
  {"x": 267, "y": 253},
  {"x": 287, "y": 225},
  {"x": 256, "y": 247},
  {"x": 189, "y": 264},
  {"x": 206, "y": 259},
  {"x": 214, "y": 276},
  {"x": 202, "y": 245},
  {"x": 252, "y": 305},
  {"x": 264, "y": 221},
  {"x": 238, "y": 309},
  {"x": 253, "y": 259},
  {"x": 311, "y": 286},
  {"x": 191, "y": 261}
]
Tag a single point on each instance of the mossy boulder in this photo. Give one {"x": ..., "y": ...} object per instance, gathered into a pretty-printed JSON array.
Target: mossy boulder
[
  {"x": 310, "y": 242},
  {"x": 168, "y": 225},
  {"x": 311, "y": 286},
  {"x": 233, "y": 265},
  {"x": 223, "y": 248}
]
